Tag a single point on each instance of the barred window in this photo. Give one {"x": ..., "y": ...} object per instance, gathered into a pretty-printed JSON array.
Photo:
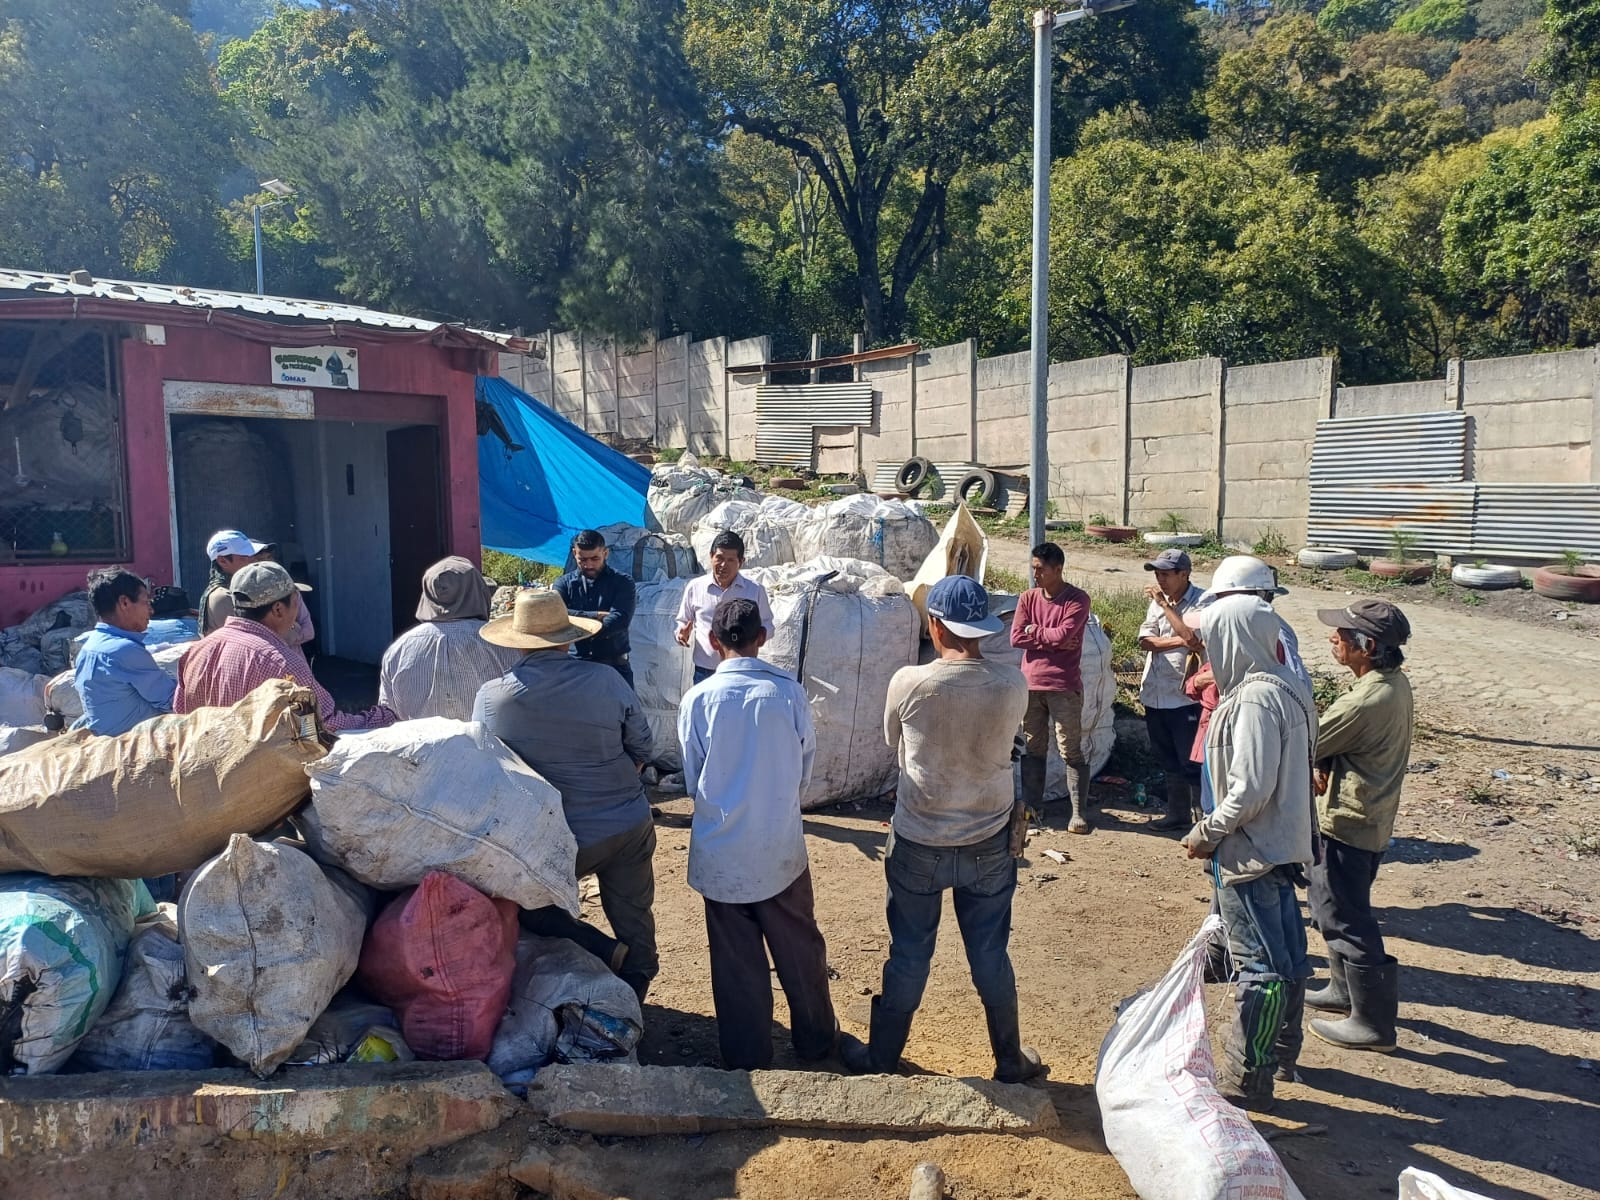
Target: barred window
[{"x": 62, "y": 490}]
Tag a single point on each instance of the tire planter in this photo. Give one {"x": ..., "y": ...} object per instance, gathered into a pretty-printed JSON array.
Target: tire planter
[
  {"x": 1326, "y": 558},
  {"x": 914, "y": 475},
  {"x": 1174, "y": 539},
  {"x": 1485, "y": 578},
  {"x": 1406, "y": 572},
  {"x": 977, "y": 488},
  {"x": 1553, "y": 583},
  {"x": 1111, "y": 533}
]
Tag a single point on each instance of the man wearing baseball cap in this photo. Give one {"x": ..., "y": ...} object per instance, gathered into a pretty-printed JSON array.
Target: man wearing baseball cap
[
  {"x": 229, "y": 550},
  {"x": 952, "y": 723},
  {"x": 252, "y": 647},
  {"x": 1171, "y": 718},
  {"x": 1363, "y": 746}
]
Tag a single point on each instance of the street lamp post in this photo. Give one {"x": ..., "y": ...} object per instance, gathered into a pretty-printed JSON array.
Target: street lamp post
[
  {"x": 283, "y": 191},
  {"x": 1045, "y": 23}
]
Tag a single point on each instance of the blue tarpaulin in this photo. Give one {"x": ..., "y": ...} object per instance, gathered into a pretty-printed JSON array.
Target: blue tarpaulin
[{"x": 536, "y": 499}]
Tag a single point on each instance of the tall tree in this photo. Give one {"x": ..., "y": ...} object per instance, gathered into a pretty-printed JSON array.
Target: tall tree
[
  {"x": 882, "y": 95},
  {"x": 112, "y": 141}
]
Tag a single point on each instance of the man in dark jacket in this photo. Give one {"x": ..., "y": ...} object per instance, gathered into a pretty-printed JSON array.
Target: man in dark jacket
[{"x": 598, "y": 592}]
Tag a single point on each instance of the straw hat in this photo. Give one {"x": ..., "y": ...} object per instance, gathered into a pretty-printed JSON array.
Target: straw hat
[{"x": 538, "y": 622}]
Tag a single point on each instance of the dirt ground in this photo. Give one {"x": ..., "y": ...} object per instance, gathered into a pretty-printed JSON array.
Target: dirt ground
[{"x": 1490, "y": 899}]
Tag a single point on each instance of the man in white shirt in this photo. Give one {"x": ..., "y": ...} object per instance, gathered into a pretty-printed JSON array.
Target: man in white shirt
[
  {"x": 1171, "y": 718},
  {"x": 747, "y": 846},
  {"x": 701, "y": 597},
  {"x": 435, "y": 668}
]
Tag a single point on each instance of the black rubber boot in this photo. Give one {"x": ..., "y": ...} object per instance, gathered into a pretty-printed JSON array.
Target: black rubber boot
[
  {"x": 887, "y": 1040},
  {"x": 1078, "y": 791},
  {"x": 1374, "y": 1004},
  {"x": 1013, "y": 1062},
  {"x": 1177, "y": 806},
  {"x": 1335, "y": 997}
]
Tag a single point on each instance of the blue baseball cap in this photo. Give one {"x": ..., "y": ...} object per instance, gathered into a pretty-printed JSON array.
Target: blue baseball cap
[{"x": 962, "y": 606}]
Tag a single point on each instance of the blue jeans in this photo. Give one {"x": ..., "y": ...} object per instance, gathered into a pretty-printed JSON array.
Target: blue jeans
[
  {"x": 1267, "y": 940},
  {"x": 983, "y": 877},
  {"x": 701, "y": 674}
]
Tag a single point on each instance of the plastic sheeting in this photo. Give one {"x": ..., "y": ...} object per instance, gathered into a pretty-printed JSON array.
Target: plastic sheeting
[{"x": 536, "y": 499}]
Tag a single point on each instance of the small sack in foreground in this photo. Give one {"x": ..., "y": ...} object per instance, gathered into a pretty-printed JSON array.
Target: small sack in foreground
[
  {"x": 1423, "y": 1185},
  {"x": 163, "y": 797},
  {"x": 1164, "y": 1120},
  {"x": 62, "y": 946},
  {"x": 352, "y": 1030},
  {"x": 566, "y": 1006},
  {"x": 441, "y": 795},
  {"x": 146, "y": 1027},
  {"x": 267, "y": 941},
  {"x": 442, "y": 956}
]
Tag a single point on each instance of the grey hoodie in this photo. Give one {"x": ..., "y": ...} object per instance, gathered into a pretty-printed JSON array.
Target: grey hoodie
[{"x": 1258, "y": 747}]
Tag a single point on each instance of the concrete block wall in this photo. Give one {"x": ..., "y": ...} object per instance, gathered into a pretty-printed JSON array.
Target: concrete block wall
[
  {"x": 891, "y": 436},
  {"x": 742, "y": 396},
  {"x": 1003, "y": 386},
  {"x": 600, "y": 384},
  {"x": 1392, "y": 399},
  {"x": 1174, "y": 439},
  {"x": 1088, "y": 407},
  {"x": 1534, "y": 417},
  {"x": 636, "y": 393},
  {"x": 672, "y": 391},
  {"x": 707, "y": 396},
  {"x": 567, "y": 391},
  {"x": 944, "y": 406},
  {"x": 1270, "y": 420}
]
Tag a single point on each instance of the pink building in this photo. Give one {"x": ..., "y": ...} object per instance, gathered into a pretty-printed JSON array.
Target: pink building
[{"x": 136, "y": 419}]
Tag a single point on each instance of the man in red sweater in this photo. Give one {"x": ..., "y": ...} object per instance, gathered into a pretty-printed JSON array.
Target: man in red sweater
[{"x": 1048, "y": 628}]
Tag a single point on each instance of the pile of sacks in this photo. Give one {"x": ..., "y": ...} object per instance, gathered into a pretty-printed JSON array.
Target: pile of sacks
[
  {"x": 42, "y": 645},
  {"x": 683, "y": 492},
  {"x": 380, "y": 924}
]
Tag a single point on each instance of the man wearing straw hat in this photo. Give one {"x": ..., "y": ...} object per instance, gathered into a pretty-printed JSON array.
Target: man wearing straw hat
[{"x": 582, "y": 727}]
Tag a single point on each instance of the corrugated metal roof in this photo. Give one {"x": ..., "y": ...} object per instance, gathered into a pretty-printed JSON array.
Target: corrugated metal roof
[
  {"x": 270, "y": 308},
  {"x": 1407, "y": 448},
  {"x": 1366, "y": 516},
  {"x": 1537, "y": 520}
]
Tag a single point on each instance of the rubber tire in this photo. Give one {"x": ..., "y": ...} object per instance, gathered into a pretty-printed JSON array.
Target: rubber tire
[
  {"x": 1485, "y": 578},
  {"x": 913, "y": 476},
  {"x": 1326, "y": 558},
  {"x": 1583, "y": 588},
  {"x": 977, "y": 488},
  {"x": 1406, "y": 572}
]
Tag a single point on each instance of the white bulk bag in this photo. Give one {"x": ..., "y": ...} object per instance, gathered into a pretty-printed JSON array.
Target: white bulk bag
[
  {"x": 565, "y": 1006},
  {"x": 1161, "y": 1113},
  {"x": 645, "y": 554},
  {"x": 662, "y": 670},
  {"x": 856, "y": 629},
  {"x": 1424, "y": 1185},
  {"x": 883, "y": 532},
  {"x": 767, "y": 530},
  {"x": 678, "y": 501},
  {"x": 22, "y": 697},
  {"x": 440, "y": 795}
]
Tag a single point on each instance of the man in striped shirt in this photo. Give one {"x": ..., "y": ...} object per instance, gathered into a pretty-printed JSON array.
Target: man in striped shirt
[{"x": 251, "y": 648}]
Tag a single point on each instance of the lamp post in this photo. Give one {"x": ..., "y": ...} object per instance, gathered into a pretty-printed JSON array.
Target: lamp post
[
  {"x": 1045, "y": 22},
  {"x": 283, "y": 191}
]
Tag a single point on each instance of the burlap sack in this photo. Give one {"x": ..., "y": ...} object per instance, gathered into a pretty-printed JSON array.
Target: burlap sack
[{"x": 163, "y": 797}]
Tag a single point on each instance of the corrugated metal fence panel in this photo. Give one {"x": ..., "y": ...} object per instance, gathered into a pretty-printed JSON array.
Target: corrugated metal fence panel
[
  {"x": 1409, "y": 448},
  {"x": 785, "y": 445},
  {"x": 1365, "y": 516},
  {"x": 1537, "y": 520},
  {"x": 886, "y": 474},
  {"x": 814, "y": 404}
]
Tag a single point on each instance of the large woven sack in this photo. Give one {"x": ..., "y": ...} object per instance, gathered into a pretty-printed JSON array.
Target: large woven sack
[
  {"x": 441, "y": 795},
  {"x": 62, "y": 945},
  {"x": 662, "y": 670},
  {"x": 146, "y": 1026},
  {"x": 566, "y": 1006},
  {"x": 442, "y": 956},
  {"x": 766, "y": 529},
  {"x": 267, "y": 941},
  {"x": 22, "y": 697},
  {"x": 164, "y": 796},
  {"x": 644, "y": 554},
  {"x": 883, "y": 532}
]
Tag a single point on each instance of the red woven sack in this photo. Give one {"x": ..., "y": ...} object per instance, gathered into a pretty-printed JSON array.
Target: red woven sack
[{"x": 441, "y": 955}]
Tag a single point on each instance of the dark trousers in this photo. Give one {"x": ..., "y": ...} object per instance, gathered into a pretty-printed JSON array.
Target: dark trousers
[
  {"x": 1172, "y": 732},
  {"x": 701, "y": 674},
  {"x": 983, "y": 878},
  {"x": 1340, "y": 897},
  {"x": 1267, "y": 940},
  {"x": 740, "y": 937},
  {"x": 625, "y": 866}
]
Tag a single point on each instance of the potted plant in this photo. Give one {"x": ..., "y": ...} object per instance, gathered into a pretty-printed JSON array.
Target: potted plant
[
  {"x": 1570, "y": 579},
  {"x": 1099, "y": 525},
  {"x": 1172, "y": 533},
  {"x": 1403, "y": 565}
]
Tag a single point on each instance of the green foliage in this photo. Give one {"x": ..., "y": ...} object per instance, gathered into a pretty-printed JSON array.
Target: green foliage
[
  {"x": 1439, "y": 18},
  {"x": 112, "y": 141},
  {"x": 1270, "y": 544},
  {"x": 1349, "y": 19},
  {"x": 1402, "y": 542},
  {"x": 507, "y": 569},
  {"x": 1326, "y": 688},
  {"x": 999, "y": 579},
  {"x": 1171, "y": 523},
  {"x": 1571, "y": 562},
  {"x": 1573, "y": 60},
  {"x": 669, "y": 454},
  {"x": 1121, "y": 613}
]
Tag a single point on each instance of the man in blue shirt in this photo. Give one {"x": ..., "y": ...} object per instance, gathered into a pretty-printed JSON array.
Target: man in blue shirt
[
  {"x": 118, "y": 680},
  {"x": 597, "y": 592},
  {"x": 747, "y": 846},
  {"x": 582, "y": 727}
]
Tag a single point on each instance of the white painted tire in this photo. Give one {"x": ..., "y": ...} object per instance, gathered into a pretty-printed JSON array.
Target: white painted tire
[
  {"x": 1485, "y": 578},
  {"x": 1327, "y": 558},
  {"x": 1174, "y": 539}
]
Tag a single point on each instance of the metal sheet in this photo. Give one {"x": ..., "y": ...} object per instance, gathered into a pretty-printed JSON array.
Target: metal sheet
[
  {"x": 1407, "y": 448},
  {"x": 1537, "y": 520},
  {"x": 814, "y": 404},
  {"x": 1366, "y": 516},
  {"x": 886, "y": 474},
  {"x": 785, "y": 445}
]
